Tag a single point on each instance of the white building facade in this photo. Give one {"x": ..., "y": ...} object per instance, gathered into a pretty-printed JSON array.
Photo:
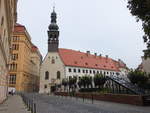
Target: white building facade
[{"x": 62, "y": 63}]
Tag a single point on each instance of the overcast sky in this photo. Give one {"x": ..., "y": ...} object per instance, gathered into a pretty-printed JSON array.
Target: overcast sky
[{"x": 102, "y": 26}]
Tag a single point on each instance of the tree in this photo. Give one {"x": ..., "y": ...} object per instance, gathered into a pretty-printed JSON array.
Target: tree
[
  {"x": 65, "y": 83},
  {"x": 72, "y": 82},
  {"x": 85, "y": 81},
  {"x": 139, "y": 78},
  {"x": 99, "y": 80},
  {"x": 141, "y": 9}
]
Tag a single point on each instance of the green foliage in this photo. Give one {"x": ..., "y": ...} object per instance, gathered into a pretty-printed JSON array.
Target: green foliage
[
  {"x": 141, "y": 9},
  {"x": 85, "y": 81},
  {"x": 99, "y": 80},
  {"x": 139, "y": 78},
  {"x": 72, "y": 83},
  {"x": 72, "y": 80},
  {"x": 65, "y": 82}
]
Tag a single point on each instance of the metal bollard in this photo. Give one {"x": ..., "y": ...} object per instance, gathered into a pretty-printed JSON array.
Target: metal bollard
[
  {"x": 34, "y": 108},
  {"x": 83, "y": 97},
  {"x": 31, "y": 106},
  {"x": 92, "y": 98}
]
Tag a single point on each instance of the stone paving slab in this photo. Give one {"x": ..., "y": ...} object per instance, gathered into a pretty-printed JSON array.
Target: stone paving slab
[{"x": 13, "y": 104}]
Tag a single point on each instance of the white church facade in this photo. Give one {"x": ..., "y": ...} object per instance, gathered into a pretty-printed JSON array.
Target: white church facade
[{"x": 61, "y": 63}]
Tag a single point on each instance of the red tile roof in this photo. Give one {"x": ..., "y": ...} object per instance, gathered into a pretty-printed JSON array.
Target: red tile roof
[
  {"x": 34, "y": 48},
  {"x": 19, "y": 28},
  {"x": 80, "y": 59}
]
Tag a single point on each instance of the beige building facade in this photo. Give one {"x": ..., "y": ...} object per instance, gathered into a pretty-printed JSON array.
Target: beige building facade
[
  {"x": 25, "y": 62},
  {"x": 146, "y": 65},
  {"x": 52, "y": 72},
  {"x": 8, "y": 17}
]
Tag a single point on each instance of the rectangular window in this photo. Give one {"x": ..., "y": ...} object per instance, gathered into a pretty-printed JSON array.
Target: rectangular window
[
  {"x": 79, "y": 70},
  {"x": 90, "y": 71},
  {"x": 45, "y": 86},
  {"x": 93, "y": 72},
  {"x": 83, "y": 71},
  {"x": 86, "y": 71},
  {"x": 13, "y": 67},
  {"x": 74, "y": 70},
  {"x": 12, "y": 79},
  {"x": 15, "y": 38},
  {"x": 69, "y": 69},
  {"x": 14, "y": 56},
  {"x": 15, "y": 46}
]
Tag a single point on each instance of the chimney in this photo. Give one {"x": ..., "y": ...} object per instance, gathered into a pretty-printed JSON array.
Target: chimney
[
  {"x": 95, "y": 54},
  {"x": 106, "y": 56},
  {"x": 88, "y": 53},
  {"x": 100, "y": 55}
]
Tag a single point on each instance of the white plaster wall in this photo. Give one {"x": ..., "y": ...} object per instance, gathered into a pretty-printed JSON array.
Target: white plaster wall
[
  {"x": 82, "y": 74},
  {"x": 52, "y": 69}
]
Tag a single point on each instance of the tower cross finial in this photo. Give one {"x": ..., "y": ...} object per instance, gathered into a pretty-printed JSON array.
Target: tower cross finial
[{"x": 54, "y": 6}]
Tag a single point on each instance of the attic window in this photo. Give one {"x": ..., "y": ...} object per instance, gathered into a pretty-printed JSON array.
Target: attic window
[{"x": 75, "y": 62}]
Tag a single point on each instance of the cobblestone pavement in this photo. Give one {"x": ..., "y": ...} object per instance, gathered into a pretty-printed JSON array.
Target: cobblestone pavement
[
  {"x": 56, "y": 104},
  {"x": 13, "y": 104}
]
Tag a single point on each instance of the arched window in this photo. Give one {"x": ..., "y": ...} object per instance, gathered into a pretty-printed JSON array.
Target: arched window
[
  {"x": 53, "y": 61},
  {"x": 46, "y": 75},
  {"x": 58, "y": 75}
]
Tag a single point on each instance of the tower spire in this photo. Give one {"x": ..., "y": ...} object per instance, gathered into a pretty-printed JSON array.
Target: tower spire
[
  {"x": 53, "y": 33},
  {"x": 54, "y": 8}
]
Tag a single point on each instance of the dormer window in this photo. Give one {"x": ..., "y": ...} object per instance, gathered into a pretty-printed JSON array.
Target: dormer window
[{"x": 75, "y": 62}]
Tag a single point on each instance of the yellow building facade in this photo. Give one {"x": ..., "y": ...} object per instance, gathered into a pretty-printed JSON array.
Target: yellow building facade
[
  {"x": 25, "y": 62},
  {"x": 8, "y": 17}
]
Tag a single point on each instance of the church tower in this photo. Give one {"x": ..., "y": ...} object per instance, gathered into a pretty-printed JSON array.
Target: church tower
[{"x": 53, "y": 34}]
